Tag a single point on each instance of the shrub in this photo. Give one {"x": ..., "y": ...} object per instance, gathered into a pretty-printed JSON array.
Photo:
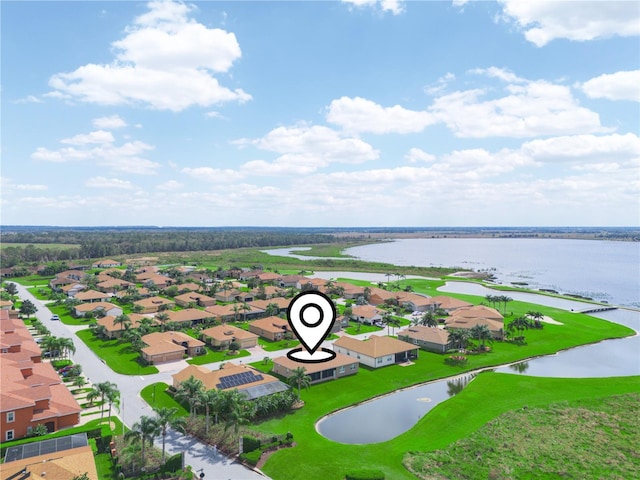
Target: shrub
[
  {"x": 250, "y": 443},
  {"x": 456, "y": 360},
  {"x": 365, "y": 475},
  {"x": 251, "y": 457}
]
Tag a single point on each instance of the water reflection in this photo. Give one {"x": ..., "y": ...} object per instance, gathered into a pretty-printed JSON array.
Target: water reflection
[
  {"x": 521, "y": 367},
  {"x": 455, "y": 385}
]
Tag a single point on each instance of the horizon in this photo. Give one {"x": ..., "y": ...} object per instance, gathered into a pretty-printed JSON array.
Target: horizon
[{"x": 337, "y": 114}]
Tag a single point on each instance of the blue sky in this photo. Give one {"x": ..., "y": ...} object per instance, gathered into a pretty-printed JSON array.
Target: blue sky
[{"x": 353, "y": 113}]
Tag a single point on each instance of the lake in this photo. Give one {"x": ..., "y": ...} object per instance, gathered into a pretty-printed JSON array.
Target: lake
[{"x": 602, "y": 270}]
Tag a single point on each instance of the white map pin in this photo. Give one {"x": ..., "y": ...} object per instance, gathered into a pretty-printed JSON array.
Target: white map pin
[{"x": 311, "y": 316}]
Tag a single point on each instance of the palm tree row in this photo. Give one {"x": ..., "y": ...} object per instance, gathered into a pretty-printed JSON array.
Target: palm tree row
[
  {"x": 58, "y": 346},
  {"x": 499, "y": 299}
]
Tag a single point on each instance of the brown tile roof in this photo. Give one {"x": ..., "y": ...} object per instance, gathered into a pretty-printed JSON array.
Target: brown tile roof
[
  {"x": 426, "y": 334},
  {"x": 190, "y": 297},
  {"x": 478, "y": 311},
  {"x": 91, "y": 295},
  {"x": 194, "y": 287},
  {"x": 153, "y": 302},
  {"x": 188, "y": 315},
  {"x": 263, "y": 304},
  {"x": 366, "y": 311},
  {"x": 90, "y": 307},
  {"x": 114, "y": 282},
  {"x": 226, "y": 332},
  {"x": 271, "y": 324},
  {"x": 470, "y": 322},
  {"x": 135, "y": 318},
  {"x": 74, "y": 462},
  {"x": 227, "y": 310},
  {"x": 340, "y": 361},
  {"x": 168, "y": 342},
  {"x": 211, "y": 378},
  {"x": 449, "y": 303},
  {"x": 375, "y": 346}
]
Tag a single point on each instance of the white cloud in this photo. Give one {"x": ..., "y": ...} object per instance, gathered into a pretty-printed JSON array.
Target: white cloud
[
  {"x": 111, "y": 122},
  {"x": 61, "y": 155},
  {"x": 103, "y": 182},
  {"x": 614, "y": 86},
  {"x": 395, "y": 7},
  {"x": 304, "y": 149},
  {"x": 362, "y": 115},
  {"x": 501, "y": 73},
  {"x": 8, "y": 185},
  {"x": 544, "y": 21},
  {"x": 165, "y": 61},
  {"x": 584, "y": 147},
  {"x": 29, "y": 99},
  {"x": 415, "y": 155},
  {"x": 170, "y": 185},
  {"x": 530, "y": 108},
  {"x": 440, "y": 85},
  {"x": 99, "y": 136},
  {"x": 213, "y": 175}
]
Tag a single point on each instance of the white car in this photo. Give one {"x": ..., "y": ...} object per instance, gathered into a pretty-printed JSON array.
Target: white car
[{"x": 55, "y": 317}]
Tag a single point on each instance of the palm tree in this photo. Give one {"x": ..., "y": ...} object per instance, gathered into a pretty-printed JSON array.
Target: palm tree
[
  {"x": 143, "y": 431},
  {"x": 92, "y": 395},
  {"x": 79, "y": 381},
  {"x": 300, "y": 379},
  {"x": 388, "y": 275},
  {"x": 390, "y": 321},
  {"x": 459, "y": 337},
  {"x": 245, "y": 308},
  {"x": 520, "y": 324},
  {"x": 105, "y": 389},
  {"x": 66, "y": 346},
  {"x": 236, "y": 409},
  {"x": 481, "y": 333},
  {"x": 162, "y": 317},
  {"x": 504, "y": 299},
  {"x": 272, "y": 309},
  {"x": 492, "y": 299},
  {"x": 428, "y": 319},
  {"x": 167, "y": 417},
  {"x": 113, "y": 398},
  {"x": 124, "y": 321},
  {"x": 189, "y": 391},
  {"x": 537, "y": 318},
  {"x": 212, "y": 401},
  {"x": 236, "y": 309}
]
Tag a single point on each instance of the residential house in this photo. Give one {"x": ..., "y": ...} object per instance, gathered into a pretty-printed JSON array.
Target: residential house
[
  {"x": 192, "y": 298},
  {"x": 366, "y": 314},
  {"x": 340, "y": 366},
  {"x": 376, "y": 351},
  {"x": 154, "y": 304},
  {"x": 251, "y": 383},
  {"x": 221, "y": 336},
  {"x": 61, "y": 464},
  {"x": 32, "y": 393},
  {"x": 351, "y": 292},
  {"x": 234, "y": 312},
  {"x": 169, "y": 346},
  {"x": 95, "y": 307},
  {"x": 247, "y": 274},
  {"x": 108, "y": 263},
  {"x": 189, "y": 287},
  {"x": 269, "y": 277},
  {"x": 379, "y": 296},
  {"x": 227, "y": 295},
  {"x": 113, "y": 285},
  {"x": 428, "y": 338},
  {"x": 271, "y": 328},
  {"x": 71, "y": 289},
  {"x": 282, "y": 303},
  {"x": 67, "y": 277},
  {"x": 288, "y": 281},
  {"x": 245, "y": 297},
  {"x": 158, "y": 280},
  {"x": 6, "y": 304},
  {"x": 270, "y": 291},
  {"x": 449, "y": 304},
  {"x": 317, "y": 284},
  {"x": 91, "y": 296},
  {"x": 115, "y": 330},
  {"x": 189, "y": 315},
  {"x": 417, "y": 302},
  {"x": 469, "y": 317}
]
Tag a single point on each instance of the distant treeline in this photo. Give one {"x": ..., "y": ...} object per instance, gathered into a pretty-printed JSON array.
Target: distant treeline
[{"x": 108, "y": 243}]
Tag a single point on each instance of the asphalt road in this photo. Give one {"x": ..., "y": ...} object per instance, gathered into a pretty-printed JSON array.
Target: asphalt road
[{"x": 200, "y": 456}]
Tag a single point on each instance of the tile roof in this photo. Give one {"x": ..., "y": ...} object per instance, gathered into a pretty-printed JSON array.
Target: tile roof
[
  {"x": 375, "y": 346},
  {"x": 426, "y": 334},
  {"x": 226, "y": 332}
]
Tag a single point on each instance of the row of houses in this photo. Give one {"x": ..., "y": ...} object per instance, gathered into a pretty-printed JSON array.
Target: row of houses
[{"x": 32, "y": 392}]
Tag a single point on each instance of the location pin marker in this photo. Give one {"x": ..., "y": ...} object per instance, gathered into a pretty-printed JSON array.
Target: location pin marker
[{"x": 311, "y": 316}]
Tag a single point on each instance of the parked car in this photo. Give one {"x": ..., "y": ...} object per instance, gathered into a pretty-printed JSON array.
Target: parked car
[
  {"x": 55, "y": 317},
  {"x": 55, "y": 353}
]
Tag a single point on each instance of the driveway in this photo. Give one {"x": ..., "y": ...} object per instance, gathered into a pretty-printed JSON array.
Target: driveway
[{"x": 200, "y": 456}]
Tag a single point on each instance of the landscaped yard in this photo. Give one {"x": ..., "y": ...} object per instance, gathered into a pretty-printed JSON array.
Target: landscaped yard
[
  {"x": 32, "y": 280},
  {"x": 157, "y": 397},
  {"x": 66, "y": 317},
  {"x": 216, "y": 356},
  {"x": 118, "y": 356},
  {"x": 270, "y": 346},
  {"x": 353, "y": 329}
]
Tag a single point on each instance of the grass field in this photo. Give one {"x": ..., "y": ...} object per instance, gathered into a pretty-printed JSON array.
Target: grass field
[
  {"x": 32, "y": 280},
  {"x": 156, "y": 396},
  {"x": 216, "y": 356},
  {"x": 118, "y": 356},
  {"x": 487, "y": 397},
  {"x": 562, "y": 440}
]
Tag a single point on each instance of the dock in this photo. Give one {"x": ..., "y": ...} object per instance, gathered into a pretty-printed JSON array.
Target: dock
[{"x": 594, "y": 309}]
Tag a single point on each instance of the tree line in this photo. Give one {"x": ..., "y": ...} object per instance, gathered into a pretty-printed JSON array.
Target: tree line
[{"x": 100, "y": 244}]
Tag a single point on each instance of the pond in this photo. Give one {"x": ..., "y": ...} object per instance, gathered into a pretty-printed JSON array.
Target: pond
[{"x": 386, "y": 417}]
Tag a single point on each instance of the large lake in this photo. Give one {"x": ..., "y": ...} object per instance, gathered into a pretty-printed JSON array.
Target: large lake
[{"x": 602, "y": 270}]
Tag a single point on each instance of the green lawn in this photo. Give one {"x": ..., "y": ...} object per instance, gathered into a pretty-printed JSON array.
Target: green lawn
[
  {"x": 118, "y": 356},
  {"x": 66, "y": 317},
  {"x": 161, "y": 398},
  {"x": 104, "y": 466},
  {"x": 488, "y": 396},
  {"x": 32, "y": 280},
  {"x": 270, "y": 346},
  {"x": 352, "y": 329},
  {"x": 216, "y": 356},
  {"x": 35, "y": 291},
  {"x": 561, "y": 440}
]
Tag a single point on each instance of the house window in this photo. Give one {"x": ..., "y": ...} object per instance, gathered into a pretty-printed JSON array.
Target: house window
[
  {"x": 9, "y": 435},
  {"x": 11, "y": 417},
  {"x": 389, "y": 359},
  {"x": 379, "y": 360},
  {"x": 341, "y": 370},
  {"x": 354, "y": 366}
]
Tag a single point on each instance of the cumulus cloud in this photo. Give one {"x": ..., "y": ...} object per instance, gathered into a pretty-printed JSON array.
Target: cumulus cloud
[
  {"x": 584, "y": 147},
  {"x": 623, "y": 85},
  {"x": 304, "y": 149},
  {"x": 439, "y": 85},
  {"x": 100, "y": 146},
  {"x": 111, "y": 122},
  {"x": 362, "y": 115},
  {"x": 396, "y": 7},
  {"x": 29, "y": 99},
  {"x": 166, "y": 61},
  {"x": 213, "y": 175},
  {"x": 415, "y": 155},
  {"x": 9, "y": 185},
  {"x": 544, "y": 21},
  {"x": 530, "y": 108},
  {"x": 103, "y": 182},
  {"x": 170, "y": 185}
]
